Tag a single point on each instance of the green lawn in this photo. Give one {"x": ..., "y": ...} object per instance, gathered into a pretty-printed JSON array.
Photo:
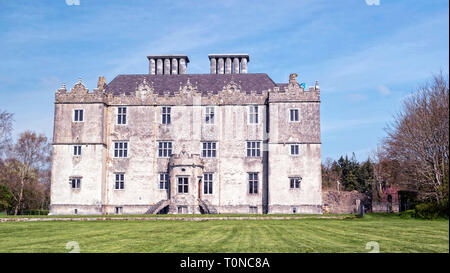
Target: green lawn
[{"x": 391, "y": 232}]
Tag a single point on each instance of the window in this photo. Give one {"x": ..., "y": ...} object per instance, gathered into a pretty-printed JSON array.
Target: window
[
  {"x": 182, "y": 209},
  {"x": 253, "y": 114},
  {"x": 293, "y": 115},
  {"x": 253, "y": 210},
  {"x": 295, "y": 182},
  {"x": 163, "y": 181},
  {"x": 75, "y": 182},
  {"x": 165, "y": 115},
  {"x": 253, "y": 148},
  {"x": 78, "y": 115},
  {"x": 121, "y": 149},
  {"x": 119, "y": 210},
  {"x": 164, "y": 149},
  {"x": 208, "y": 149},
  {"x": 208, "y": 183},
  {"x": 77, "y": 150},
  {"x": 209, "y": 115},
  {"x": 294, "y": 209},
  {"x": 253, "y": 183},
  {"x": 183, "y": 185},
  {"x": 121, "y": 115},
  {"x": 295, "y": 149},
  {"x": 119, "y": 181}
]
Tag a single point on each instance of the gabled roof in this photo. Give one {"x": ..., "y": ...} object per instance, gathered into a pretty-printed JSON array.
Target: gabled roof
[{"x": 127, "y": 84}]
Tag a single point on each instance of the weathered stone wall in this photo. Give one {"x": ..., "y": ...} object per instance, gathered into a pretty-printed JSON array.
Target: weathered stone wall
[
  {"x": 90, "y": 165},
  {"x": 282, "y": 165},
  {"x": 385, "y": 207},
  {"x": 342, "y": 201},
  {"x": 143, "y": 130}
]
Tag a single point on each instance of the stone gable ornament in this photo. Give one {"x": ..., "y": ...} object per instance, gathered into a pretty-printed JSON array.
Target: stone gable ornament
[
  {"x": 231, "y": 87},
  {"x": 143, "y": 90},
  {"x": 188, "y": 87},
  {"x": 79, "y": 88}
]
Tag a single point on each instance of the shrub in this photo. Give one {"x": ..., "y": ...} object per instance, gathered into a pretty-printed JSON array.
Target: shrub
[
  {"x": 432, "y": 210},
  {"x": 408, "y": 213},
  {"x": 34, "y": 212}
]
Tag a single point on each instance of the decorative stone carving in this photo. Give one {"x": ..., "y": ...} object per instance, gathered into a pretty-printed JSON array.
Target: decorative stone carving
[
  {"x": 188, "y": 88},
  {"x": 144, "y": 90},
  {"x": 293, "y": 78},
  {"x": 101, "y": 83}
]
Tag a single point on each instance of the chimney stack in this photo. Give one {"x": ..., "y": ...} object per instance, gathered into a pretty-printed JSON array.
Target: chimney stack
[
  {"x": 228, "y": 63},
  {"x": 167, "y": 64}
]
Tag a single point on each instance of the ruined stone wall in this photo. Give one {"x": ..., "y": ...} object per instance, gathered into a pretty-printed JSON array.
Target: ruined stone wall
[
  {"x": 342, "y": 201},
  {"x": 385, "y": 207}
]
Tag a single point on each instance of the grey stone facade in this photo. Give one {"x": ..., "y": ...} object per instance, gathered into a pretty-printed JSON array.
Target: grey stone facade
[{"x": 239, "y": 143}]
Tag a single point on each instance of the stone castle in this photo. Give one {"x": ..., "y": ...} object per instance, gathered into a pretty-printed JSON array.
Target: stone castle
[{"x": 172, "y": 142}]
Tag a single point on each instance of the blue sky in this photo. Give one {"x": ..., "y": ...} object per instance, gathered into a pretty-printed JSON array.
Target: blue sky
[{"x": 367, "y": 58}]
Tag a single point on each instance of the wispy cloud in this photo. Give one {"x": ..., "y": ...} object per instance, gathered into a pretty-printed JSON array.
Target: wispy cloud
[
  {"x": 395, "y": 59},
  {"x": 351, "y": 124},
  {"x": 384, "y": 90}
]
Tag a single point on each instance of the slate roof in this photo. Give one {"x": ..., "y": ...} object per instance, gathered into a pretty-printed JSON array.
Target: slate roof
[{"x": 205, "y": 82}]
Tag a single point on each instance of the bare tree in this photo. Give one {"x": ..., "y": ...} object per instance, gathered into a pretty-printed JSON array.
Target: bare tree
[
  {"x": 331, "y": 175},
  {"x": 32, "y": 152},
  {"x": 6, "y": 120},
  {"x": 418, "y": 139}
]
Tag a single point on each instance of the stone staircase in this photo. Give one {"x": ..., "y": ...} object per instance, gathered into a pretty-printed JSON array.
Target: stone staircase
[
  {"x": 207, "y": 207},
  {"x": 157, "y": 207}
]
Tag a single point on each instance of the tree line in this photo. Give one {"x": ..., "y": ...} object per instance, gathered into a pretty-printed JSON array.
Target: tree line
[
  {"x": 414, "y": 154},
  {"x": 25, "y": 166}
]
